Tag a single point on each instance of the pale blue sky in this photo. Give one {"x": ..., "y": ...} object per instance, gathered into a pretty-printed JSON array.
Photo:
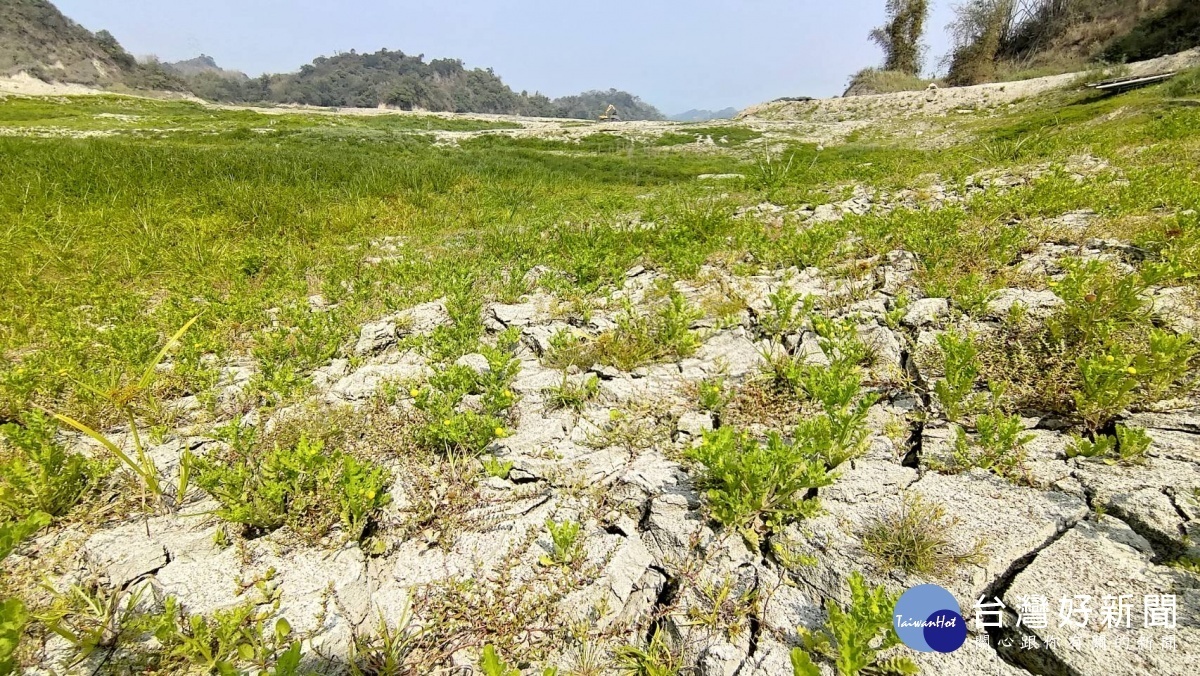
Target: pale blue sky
[{"x": 676, "y": 55}]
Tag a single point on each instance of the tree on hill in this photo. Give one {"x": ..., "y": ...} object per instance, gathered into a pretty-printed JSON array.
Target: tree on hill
[
  {"x": 588, "y": 105},
  {"x": 900, "y": 37},
  {"x": 992, "y": 35}
]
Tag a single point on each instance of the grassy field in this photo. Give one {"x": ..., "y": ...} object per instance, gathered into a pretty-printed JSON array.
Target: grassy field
[
  {"x": 122, "y": 220},
  {"x": 113, "y": 242}
]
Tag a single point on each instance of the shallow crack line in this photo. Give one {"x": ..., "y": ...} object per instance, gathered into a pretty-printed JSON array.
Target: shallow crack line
[
  {"x": 1163, "y": 550},
  {"x": 1171, "y": 498},
  {"x": 1002, "y": 582},
  {"x": 1000, "y": 587}
]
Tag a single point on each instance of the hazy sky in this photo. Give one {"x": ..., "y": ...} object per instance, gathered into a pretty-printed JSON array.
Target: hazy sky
[{"x": 677, "y": 55}]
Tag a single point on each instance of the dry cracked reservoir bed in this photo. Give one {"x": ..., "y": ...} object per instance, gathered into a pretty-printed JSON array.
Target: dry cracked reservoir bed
[{"x": 599, "y": 405}]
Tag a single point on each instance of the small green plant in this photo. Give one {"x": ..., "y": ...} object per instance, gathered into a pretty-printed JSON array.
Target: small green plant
[
  {"x": 654, "y": 659},
  {"x": 712, "y": 395},
  {"x": 495, "y": 467},
  {"x": 13, "y": 533},
  {"x": 771, "y": 173},
  {"x": 1102, "y": 446},
  {"x": 491, "y": 664},
  {"x": 915, "y": 538},
  {"x": 566, "y": 546},
  {"x": 896, "y": 314},
  {"x": 1132, "y": 444},
  {"x": 242, "y": 635},
  {"x": 90, "y": 616},
  {"x": 785, "y": 314},
  {"x": 448, "y": 429},
  {"x": 1128, "y": 447},
  {"x": 955, "y": 392},
  {"x": 840, "y": 342},
  {"x": 1168, "y": 363},
  {"x": 1107, "y": 386},
  {"x": 637, "y": 340},
  {"x": 722, "y": 607},
  {"x": 390, "y": 650},
  {"x": 573, "y": 395},
  {"x": 971, "y": 294},
  {"x": 13, "y": 618},
  {"x": 853, "y": 638},
  {"x": 755, "y": 488},
  {"x": 304, "y": 486},
  {"x": 13, "y": 615},
  {"x": 40, "y": 475},
  {"x": 126, "y": 400},
  {"x": 1098, "y": 303},
  {"x": 999, "y": 445}
]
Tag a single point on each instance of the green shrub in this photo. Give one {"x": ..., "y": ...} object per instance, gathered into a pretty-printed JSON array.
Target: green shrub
[
  {"x": 853, "y": 638},
  {"x": 1128, "y": 447},
  {"x": 916, "y": 539},
  {"x": 567, "y": 547},
  {"x": 655, "y": 659},
  {"x": 999, "y": 446},
  {"x": 785, "y": 314},
  {"x": 572, "y": 395},
  {"x": 1186, "y": 83},
  {"x": 39, "y": 475},
  {"x": 754, "y": 488},
  {"x": 956, "y": 392},
  {"x": 13, "y": 618},
  {"x": 712, "y": 395},
  {"x": 636, "y": 341},
  {"x": 12, "y": 533},
  {"x": 218, "y": 644},
  {"x": 305, "y": 487},
  {"x": 1098, "y": 303},
  {"x": 1107, "y": 386},
  {"x": 882, "y": 81},
  {"x": 491, "y": 664}
]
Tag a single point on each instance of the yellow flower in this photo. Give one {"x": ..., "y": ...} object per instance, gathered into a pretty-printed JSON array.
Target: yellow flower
[
  {"x": 507, "y": 394},
  {"x": 501, "y": 432},
  {"x": 1109, "y": 359},
  {"x": 370, "y": 495},
  {"x": 1052, "y": 283},
  {"x": 414, "y": 392},
  {"x": 447, "y": 422},
  {"x": 1131, "y": 371}
]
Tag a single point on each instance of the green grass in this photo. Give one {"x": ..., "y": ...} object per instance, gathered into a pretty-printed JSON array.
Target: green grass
[
  {"x": 117, "y": 241},
  {"x": 121, "y": 219}
]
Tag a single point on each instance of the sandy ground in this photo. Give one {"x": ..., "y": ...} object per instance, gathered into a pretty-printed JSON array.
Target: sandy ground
[{"x": 947, "y": 99}]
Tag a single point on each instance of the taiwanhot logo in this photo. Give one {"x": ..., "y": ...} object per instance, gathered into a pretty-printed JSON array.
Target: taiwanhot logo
[{"x": 928, "y": 618}]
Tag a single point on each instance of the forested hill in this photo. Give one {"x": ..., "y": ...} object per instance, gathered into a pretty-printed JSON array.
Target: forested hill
[
  {"x": 393, "y": 78},
  {"x": 37, "y": 39}
]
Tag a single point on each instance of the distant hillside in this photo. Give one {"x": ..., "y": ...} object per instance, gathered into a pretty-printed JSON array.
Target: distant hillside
[
  {"x": 998, "y": 38},
  {"x": 393, "y": 78},
  {"x": 37, "y": 39},
  {"x": 200, "y": 65},
  {"x": 590, "y": 104},
  {"x": 705, "y": 115}
]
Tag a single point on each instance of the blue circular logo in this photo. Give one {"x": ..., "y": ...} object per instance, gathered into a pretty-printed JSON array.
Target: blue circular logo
[{"x": 928, "y": 618}]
